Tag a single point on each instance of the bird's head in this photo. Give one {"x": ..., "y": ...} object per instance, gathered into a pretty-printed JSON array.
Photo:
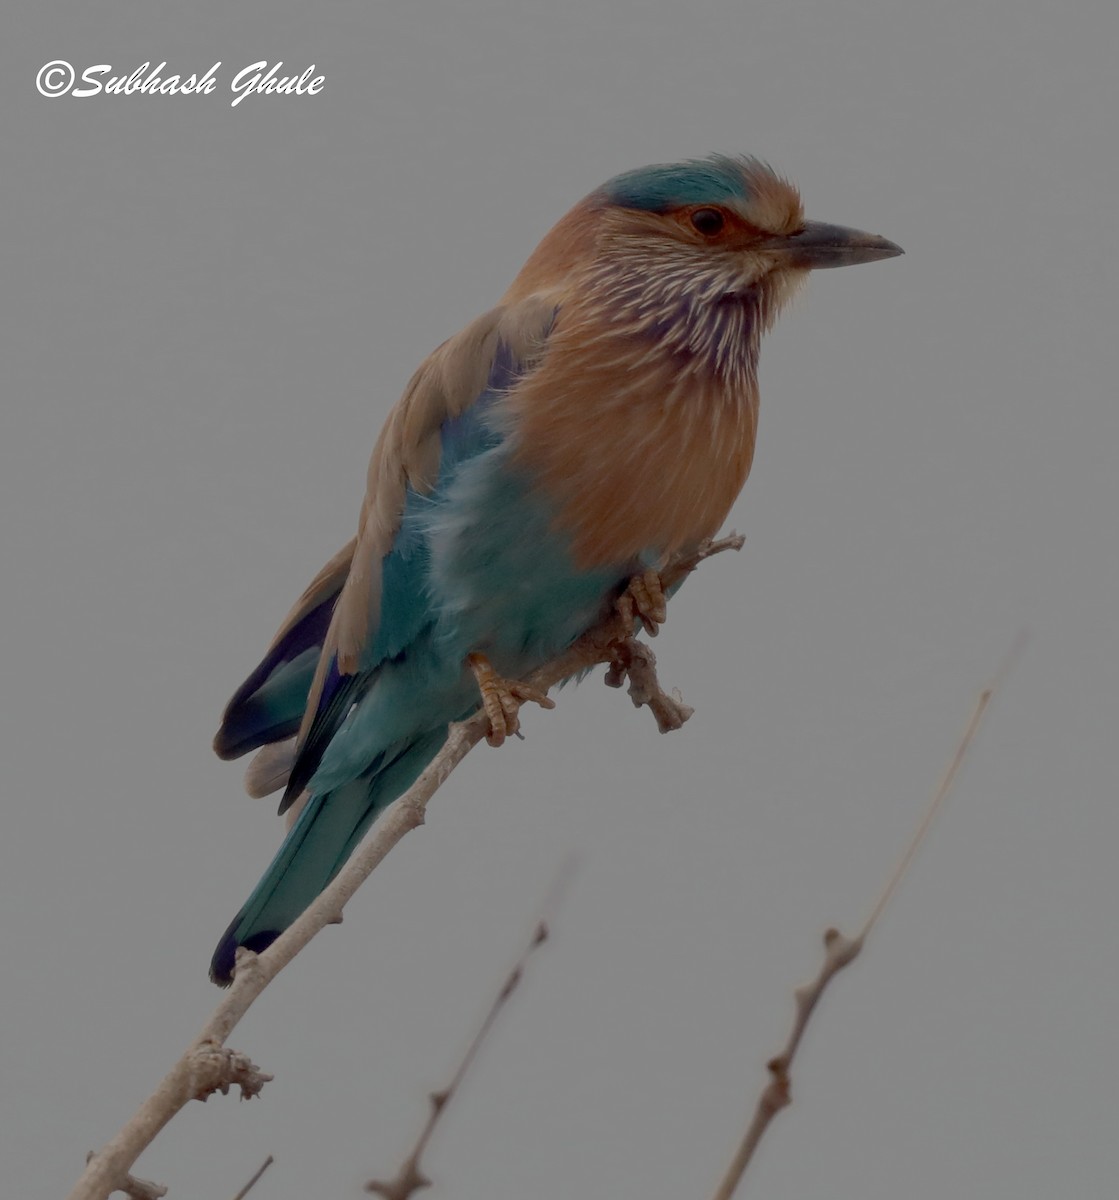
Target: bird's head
[
  {"x": 720, "y": 227},
  {"x": 699, "y": 255}
]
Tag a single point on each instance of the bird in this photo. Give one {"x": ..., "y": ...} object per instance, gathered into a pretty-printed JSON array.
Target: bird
[{"x": 599, "y": 420}]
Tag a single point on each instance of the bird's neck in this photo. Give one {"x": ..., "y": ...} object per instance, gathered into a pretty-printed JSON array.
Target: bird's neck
[
  {"x": 640, "y": 423},
  {"x": 709, "y": 322}
]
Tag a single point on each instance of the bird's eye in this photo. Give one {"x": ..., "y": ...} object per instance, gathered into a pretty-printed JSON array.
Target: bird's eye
[{"x": 708, "y": 221}]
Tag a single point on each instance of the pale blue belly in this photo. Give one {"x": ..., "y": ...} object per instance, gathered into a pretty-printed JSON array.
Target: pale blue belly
[{"x": 493, "y": 576}]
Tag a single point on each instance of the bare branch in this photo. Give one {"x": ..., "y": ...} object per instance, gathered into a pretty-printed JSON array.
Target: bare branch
[
  {"x": 839, "y": 951},
  {"x": 948, "y": 778},
  {"x": 410, "y": 1178},
  {"x": 137, "y": 1189},
  {"x": 253, "y": 1182},
  {"x": 206, "y": 1065}
]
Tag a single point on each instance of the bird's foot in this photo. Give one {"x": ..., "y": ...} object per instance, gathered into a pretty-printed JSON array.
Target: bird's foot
[
  {"x": 644, "y": 600},
  {"x": 502, "y": 698}
]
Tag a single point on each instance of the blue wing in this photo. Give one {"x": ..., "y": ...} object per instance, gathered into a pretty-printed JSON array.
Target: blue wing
[
  {"x": 380, "y": 657},
  {"x": 268, "y": 706}
]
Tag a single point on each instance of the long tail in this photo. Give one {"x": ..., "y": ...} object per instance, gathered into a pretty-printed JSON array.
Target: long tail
[{"x": 316, "y": 847}]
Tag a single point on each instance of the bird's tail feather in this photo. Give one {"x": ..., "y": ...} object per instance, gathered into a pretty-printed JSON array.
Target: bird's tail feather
[{"x": 316, "y": 847}]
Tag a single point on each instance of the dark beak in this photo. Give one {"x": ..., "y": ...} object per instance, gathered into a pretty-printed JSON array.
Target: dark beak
[{"x": 818, "y": 245}]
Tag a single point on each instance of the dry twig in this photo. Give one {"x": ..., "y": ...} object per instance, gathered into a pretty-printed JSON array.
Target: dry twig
[
  {"x": 840, "y": 950},
  {"x": 255, "y": 1179},
  {"x": 206, "y": 1065},
  {"x": 411, "y": 1178}
]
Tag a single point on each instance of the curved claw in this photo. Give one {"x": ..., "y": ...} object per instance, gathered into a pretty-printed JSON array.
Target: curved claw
[
  {"x": 644, "y": 600},
  {"x": 502, "y": 698}
]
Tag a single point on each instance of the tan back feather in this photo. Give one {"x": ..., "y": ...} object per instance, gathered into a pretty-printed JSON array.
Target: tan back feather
[
  {"x": 324, "y": 584},
  {"x": 407, "y": 453}
]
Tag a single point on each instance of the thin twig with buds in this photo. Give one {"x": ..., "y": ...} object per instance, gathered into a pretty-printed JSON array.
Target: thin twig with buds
[
  {"x": 411, "y": 1178},
  {"x": 839, "y": 951}
]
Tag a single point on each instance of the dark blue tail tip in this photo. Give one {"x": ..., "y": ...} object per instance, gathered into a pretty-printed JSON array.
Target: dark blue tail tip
[{"x": 221, "y": 965}]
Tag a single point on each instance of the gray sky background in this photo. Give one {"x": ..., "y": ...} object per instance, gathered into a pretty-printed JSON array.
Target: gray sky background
[{"x": 207, "y": 313}]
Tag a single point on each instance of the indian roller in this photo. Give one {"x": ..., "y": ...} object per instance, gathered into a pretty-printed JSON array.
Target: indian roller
[{"x": 596, "y": 422}]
